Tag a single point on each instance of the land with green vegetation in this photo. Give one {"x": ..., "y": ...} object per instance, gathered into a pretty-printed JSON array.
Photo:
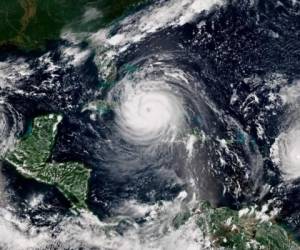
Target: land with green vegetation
[
  {"x": 29, "y": 24},
  {"x": 241, "y": 230},
  {"x": 32, "y": 155},
  {"x": 231, "y": 230},
  {"x": 226, "y": 228}
]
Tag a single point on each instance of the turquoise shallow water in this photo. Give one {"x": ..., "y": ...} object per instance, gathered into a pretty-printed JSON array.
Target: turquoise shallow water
[{"x": 177, "y": 103}]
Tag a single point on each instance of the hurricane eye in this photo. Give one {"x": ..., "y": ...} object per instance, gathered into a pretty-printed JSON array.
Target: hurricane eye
[{"x": 149, "y": 112}]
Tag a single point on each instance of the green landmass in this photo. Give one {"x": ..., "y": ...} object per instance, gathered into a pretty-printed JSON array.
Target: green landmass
[
  {"x": 229, "y": 229},
  {"x": 226, "y": 228},
  {"x": 31, "y": 158},
  {"x": 30, "y": 23}
]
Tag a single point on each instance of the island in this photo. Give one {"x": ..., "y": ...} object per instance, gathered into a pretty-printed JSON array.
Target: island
[
  {"x": 224, "y": 227},
  {"x": 32, "y": 154},
  {"x": 243, "y": 229}
]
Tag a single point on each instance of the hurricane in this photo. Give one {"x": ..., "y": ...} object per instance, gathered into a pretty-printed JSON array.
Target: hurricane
[
  {"x": 285, "y": 150},
  {"x": 172, "y": 106},
  {"x": 149, "y": 111}
]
